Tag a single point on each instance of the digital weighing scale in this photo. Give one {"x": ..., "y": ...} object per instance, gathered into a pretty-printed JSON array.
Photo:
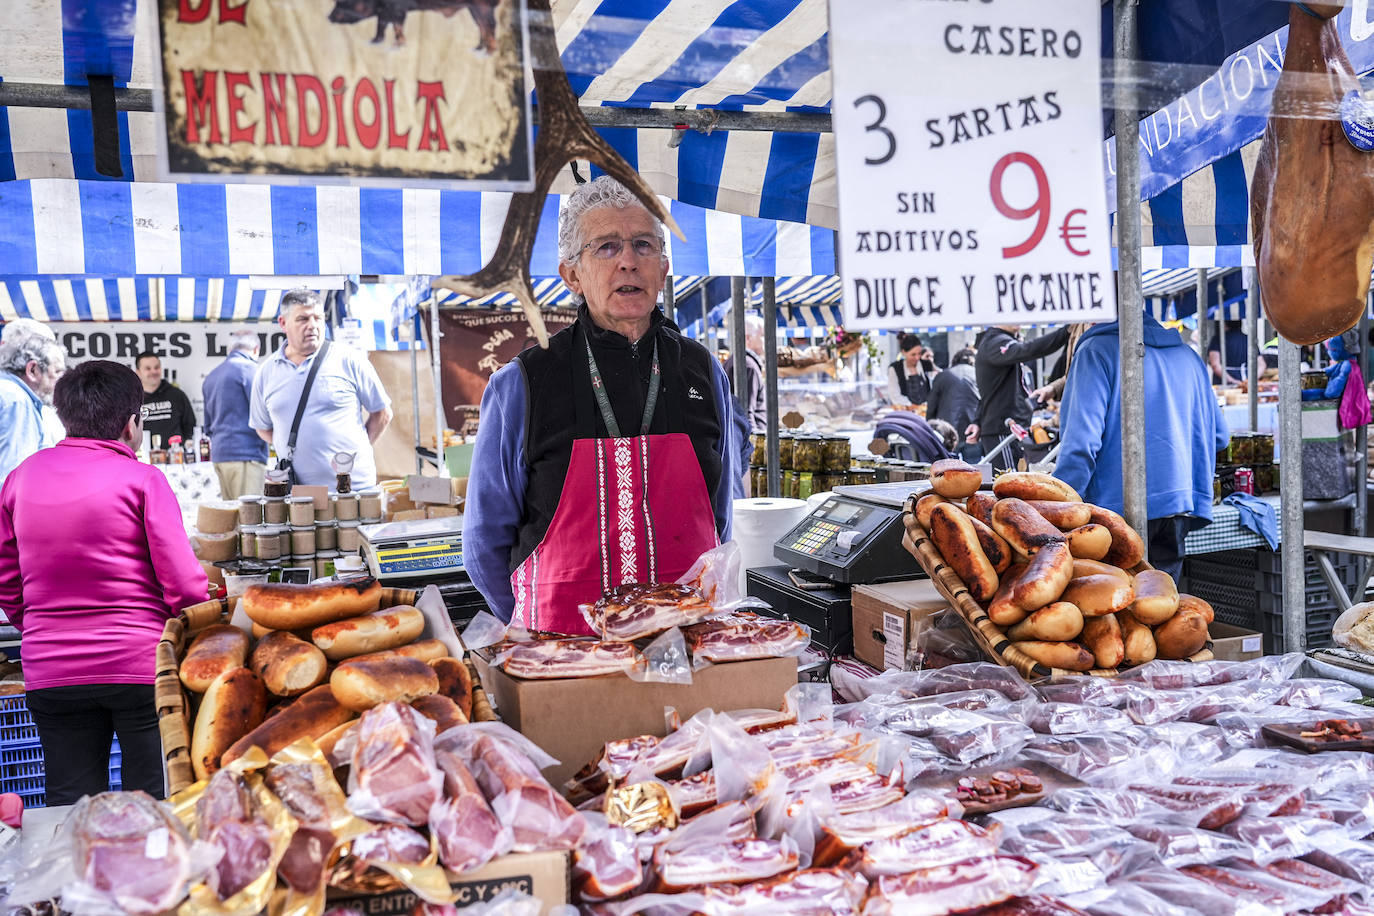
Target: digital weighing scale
[
  {"x": 854, "y": 536},
  {"x": 428, "y": 547}
]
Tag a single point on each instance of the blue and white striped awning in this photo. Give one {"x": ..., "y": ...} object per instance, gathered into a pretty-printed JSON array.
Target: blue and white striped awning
[
  {"x": 136, "y": 299},
  {"x": 115, "y": 229}
]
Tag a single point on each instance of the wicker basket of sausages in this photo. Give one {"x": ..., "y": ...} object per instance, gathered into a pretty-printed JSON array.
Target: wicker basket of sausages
[
  {"x": 1049, "y": 584},
  {"x": 318, "y": 656}
]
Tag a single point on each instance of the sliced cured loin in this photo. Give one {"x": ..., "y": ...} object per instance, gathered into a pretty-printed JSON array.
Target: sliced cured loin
[
  {"x": 462, "y": 823},
  {"x": 228, "y": 819},
  {"x": 539, "y": 818},
  {"x": 745, "y": 636},
  {"x": 394, "y": 777},
  {"x": 1312, "y": 197}
]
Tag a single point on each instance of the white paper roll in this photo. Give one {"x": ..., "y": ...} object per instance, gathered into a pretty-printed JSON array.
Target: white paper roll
[{"x": 758, "y": 524}]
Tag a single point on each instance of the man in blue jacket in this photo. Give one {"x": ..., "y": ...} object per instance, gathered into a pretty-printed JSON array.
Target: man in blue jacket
[
  {"x": 1184, "y": 429},
  {"x": 240, "y": 457}
]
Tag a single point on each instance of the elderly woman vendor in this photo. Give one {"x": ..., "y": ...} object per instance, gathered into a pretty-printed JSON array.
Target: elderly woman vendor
[
  {"x": 93, "y": 561},
  {"x": 610, "y": 457}
]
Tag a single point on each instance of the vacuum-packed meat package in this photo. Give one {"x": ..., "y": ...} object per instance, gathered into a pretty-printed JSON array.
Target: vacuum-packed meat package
[
  {"x": 229, "y": 817},
  {"x": 638, "y": 610},
  {"x": 542, "y": 659},
  {"x": 393, "y": 777},
  {"x": 941, "y": 843},
  {"x": 129, "y": 850},
  {"x": 950, "y": 888},
  {"x": 735, "y": 862},
  {"x": 539, "y": 818},
  {"x": 743, "y": 636},
  {"x": 467, "y": 832}
]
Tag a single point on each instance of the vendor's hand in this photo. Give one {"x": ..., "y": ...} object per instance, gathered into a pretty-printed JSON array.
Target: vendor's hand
[
  {"x": 1044, "y": 395},
  {"x": 971, "y": 434}
]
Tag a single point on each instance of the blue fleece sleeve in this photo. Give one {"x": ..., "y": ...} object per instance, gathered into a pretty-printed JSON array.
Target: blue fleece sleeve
[
  {"x": 728, "y": 448},
  {"x": 1082, "y": 416},
  {"x": 496, "y": 489}
]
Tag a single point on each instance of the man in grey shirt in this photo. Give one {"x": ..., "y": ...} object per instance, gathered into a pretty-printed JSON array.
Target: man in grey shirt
[{"x": 345, "y": 388}]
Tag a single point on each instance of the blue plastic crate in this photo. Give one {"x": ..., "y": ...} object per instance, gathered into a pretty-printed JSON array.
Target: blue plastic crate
[{"x": 21, "y": 754}]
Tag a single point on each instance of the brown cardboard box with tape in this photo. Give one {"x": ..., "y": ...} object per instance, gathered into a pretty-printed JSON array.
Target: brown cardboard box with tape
[
  {"x": 887, "y": 618},
  {"x": 1234, "y": 644}
]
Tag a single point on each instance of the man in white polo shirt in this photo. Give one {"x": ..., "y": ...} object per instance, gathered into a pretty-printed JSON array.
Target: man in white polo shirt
[{"x": 345, "y": 388}]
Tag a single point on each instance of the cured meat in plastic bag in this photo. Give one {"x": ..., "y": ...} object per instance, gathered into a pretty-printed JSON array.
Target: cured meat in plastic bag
[
  {"x": 606, "y": 864},
  {"x": 951, "y": 888},
  {"x": 1176, "y": 846},
  {"x": 394, "y": 778},
  {"x": 231, "y": 816},
  {"x": 737, "y": 862},
  {"x": 941, "y": 843},
  {"x": 467, "y": 832},
  {"x": 559, "y": 658},
  {"x": 932, "y": 681},
  {"x": 809, "y": 892},
  {"x": 743, "y": 636}
]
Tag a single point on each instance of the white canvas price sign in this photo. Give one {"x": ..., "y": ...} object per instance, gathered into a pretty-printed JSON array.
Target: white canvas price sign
[{"x": 968, "y": 142}]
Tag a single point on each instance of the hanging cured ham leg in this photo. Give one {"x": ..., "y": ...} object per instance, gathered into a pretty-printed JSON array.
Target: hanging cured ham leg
[{"x": 1312, "y": 198}]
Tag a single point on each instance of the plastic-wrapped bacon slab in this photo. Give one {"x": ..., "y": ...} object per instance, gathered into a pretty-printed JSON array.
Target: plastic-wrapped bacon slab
[
  {"x": 942, "y": 843},
  {"x": 560, "y": 658},
  {"x": 724, "y": 863},
  {"x": 744, "y": 636},
  {"x": 950, "y": 888},
  {"x": 636, "y": 611}
]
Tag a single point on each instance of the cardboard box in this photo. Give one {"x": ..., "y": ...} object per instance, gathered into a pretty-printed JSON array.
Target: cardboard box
[
  {"x": 1235, "y": 644},
  {"x": 436, "y": 491},
  {"x": 440, "y": 512},
  {"x": 887, "y": 618},
  {"x": 573, "y": 718},
  {"x": 542, "y": 875}
]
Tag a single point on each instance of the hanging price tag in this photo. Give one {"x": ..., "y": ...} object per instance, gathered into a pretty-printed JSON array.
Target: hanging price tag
[{"x": 968, "y": 143}]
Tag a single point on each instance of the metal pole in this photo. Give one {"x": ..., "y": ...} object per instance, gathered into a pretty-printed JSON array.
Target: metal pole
[
  {"x": 436, "y": 363},
  {"x": 1290, "y": 473},
  {"x": 1130, "y": 296},
  {"x": 770, "y": 382},
  {"x": 1202, "y": 319},
  {"x": 741, "y": 379},
  {"x": 1253, "y": 348},
  {"x": 415, "y": 335},
  {"x": 1221, "y": 330},
  {"x": 669, "y": 302}
]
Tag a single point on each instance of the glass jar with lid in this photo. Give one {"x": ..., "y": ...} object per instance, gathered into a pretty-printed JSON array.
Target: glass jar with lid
[
  {"x": 836, "y": 460},
  {"x": 808, "y": 453},
  {"x": 785, "y": 442}
]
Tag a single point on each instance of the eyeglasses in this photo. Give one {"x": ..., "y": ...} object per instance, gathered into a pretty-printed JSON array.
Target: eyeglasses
[
  {"x": 644, "y": 246},
  {"x": 143, "y": 413}
]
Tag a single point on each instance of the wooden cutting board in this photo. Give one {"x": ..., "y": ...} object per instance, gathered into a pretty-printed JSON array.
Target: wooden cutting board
[
  {"x": 1291, "y": 735},
  {"x": 1052, "y": 781}
]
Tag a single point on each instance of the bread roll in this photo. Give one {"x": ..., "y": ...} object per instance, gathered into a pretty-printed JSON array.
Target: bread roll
[
  {"x": 979, "y": 505},
  {"x": 953, "y": 533},
  {"x": 1085, "y": 567},
  {"x": 217, "y": 649},
  {"x": 1181, "y": 636},
  {"x": 1098, "y": 595},
  {"x": 1031, "y": 485},
  {"x": 1062, "y": 515},
  {"x": 1127, "y": 548},
  {"x": 309, "y": 715},
  {"x": 1102, "y": 636},
  {"x": 361, "y": 685},
  {"x": 1003, "y": 609},
  {"x": 375, "y": 632},
  {"x": 1138, "y": 639},
  {"x": 455, "y": 682},
  {"x": 1022, "y": 527},
  {"x": 1068, "y": 655},
  {"x": 1090, "y": 542},
  {"x": 924, "y": 505},
  {"x": 290, "y": 607},
  {"x": 443, "y": 711},
  {"x": 998, "y": 551},
  {"x": 426, "y": 650},
  {"x": 955, "y": 479},
  {"x": 287, "y": 664},
  {"x": 1056, "y": 622},
  {"x": 1156, "y": 597},
  {"x": 234, "y": 704},
  {"x": 1194, "y": 603},
  {"x": 1046, "y": 576}
]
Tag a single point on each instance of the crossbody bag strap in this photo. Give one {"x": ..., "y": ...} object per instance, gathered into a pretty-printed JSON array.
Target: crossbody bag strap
[{"x": 305, "y": 396}]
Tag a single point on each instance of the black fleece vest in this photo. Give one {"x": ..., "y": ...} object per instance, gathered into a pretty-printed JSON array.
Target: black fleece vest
[{"x": 561, "y": 407}]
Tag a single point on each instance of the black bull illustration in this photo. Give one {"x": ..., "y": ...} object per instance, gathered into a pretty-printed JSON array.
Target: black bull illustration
[{"x": 393, "y": 13}]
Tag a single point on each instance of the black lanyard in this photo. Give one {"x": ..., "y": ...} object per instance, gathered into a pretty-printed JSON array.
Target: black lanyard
[{"x": 604, "y": 402}]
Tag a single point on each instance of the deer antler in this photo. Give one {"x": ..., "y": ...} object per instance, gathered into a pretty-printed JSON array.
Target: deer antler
[{"x": 564, "y": 135}]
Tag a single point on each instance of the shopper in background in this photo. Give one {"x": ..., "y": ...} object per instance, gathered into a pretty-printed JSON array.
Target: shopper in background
[
  {"x": 345, "y": 388},
  {"x": 610, "y": 456},
  {"x": 1235, "y": 369},
  {"x": 909, "y": 378},
  {"x": 90, "y": 618},
  {"x": 239, "y": 454},
  {"x": 754, "y": 398},
  {"x": 954, "y": 399},
  {"x": 1184, "y": 430},
  {"x": 30, "y": 366},
  {"x": 169, "y": 411},
  {"x": 1004, "y": 384},
  {"x": 12, "y": 330}
]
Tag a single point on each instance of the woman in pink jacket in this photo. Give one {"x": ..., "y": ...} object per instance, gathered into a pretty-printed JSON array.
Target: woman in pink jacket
[{"x": 93, "y": 561}]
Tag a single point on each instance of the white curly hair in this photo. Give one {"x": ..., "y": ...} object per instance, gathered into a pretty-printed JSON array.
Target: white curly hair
[{"x": 603, "y": 191}]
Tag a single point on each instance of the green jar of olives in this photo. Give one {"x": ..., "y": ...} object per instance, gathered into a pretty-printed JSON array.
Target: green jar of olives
[
  {"x": 836, "y": 454},
  {"x": 785, "y": 442},
  {"x": 808, "y": 454}
]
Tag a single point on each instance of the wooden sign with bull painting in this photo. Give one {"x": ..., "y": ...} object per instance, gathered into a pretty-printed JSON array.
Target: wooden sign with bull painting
[{"x": 414, "y": 91}]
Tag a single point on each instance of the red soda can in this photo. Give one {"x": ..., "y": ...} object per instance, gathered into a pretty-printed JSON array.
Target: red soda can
[{"x": 1245, "y": 481}]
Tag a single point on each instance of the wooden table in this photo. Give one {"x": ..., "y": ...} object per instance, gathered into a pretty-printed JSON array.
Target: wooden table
[{"x": 1323, "y": 544}]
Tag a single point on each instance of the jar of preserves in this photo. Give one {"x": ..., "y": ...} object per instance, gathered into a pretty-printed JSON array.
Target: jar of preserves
[
  {"x": 1264, "y": 448},
  {"x": 1242, "y": 448},
  {"x": 836, "y": 455},
  {"x": 301, "y": 510},
  {"x": 760, "y": 455},
  {"x": 348, "y": 538},
  {"x": 274, "y": 510},
  {"x": 758, "y": 480},
  {"x": 248, "y": 541},
  {"x": 345, "y": 506},
  {"x": 269, "y": 542},
  {"x": 326, "y": 535},
  {"x": 785, "y": 441},
  {"x": 808, "y": 453},
  {"x": 250, "y": 510},
  {"x": 859, "y": 477},
  {"x": 303, "y": 540}
]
